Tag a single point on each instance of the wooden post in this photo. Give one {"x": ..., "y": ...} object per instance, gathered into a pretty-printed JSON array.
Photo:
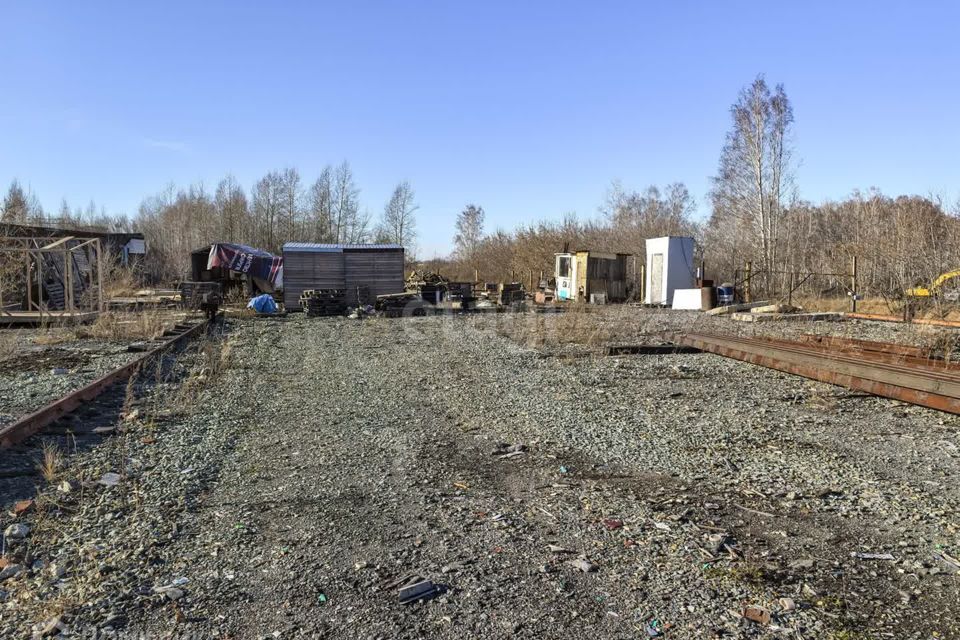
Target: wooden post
[
  {"x": 29, "y": 282},
  {"x": 68, "y": 280},
  {"x": 642, "y": 281},
  {"x": 476, "y": 275},
  {"x": 790, "y": 292},
  {"x": 99, "y": 250},
  {"x": 40, "y": 284},
  {"x": 853, "y": 286},
  {"x": 747, "y": 269}
]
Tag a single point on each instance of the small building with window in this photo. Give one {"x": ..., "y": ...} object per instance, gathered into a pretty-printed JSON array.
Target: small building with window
[{"x": 592, "y": 276}]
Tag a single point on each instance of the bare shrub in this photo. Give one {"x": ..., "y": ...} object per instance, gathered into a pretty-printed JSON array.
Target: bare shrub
[{"x": 144, "y": 325}]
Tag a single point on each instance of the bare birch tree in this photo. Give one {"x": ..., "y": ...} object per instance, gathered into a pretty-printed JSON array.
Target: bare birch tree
[
  {"x": 398, "y": 224},
  {"x": 320, "y": 208},
  {"x": 233, "y": 211},
  {"x": 349, "y": 224},
  {"x": 290, "y": 203},
  {"x": 469, "y": 231},
  {"x": 267, "y": 210},
  {"x": 754, "y": 184}
]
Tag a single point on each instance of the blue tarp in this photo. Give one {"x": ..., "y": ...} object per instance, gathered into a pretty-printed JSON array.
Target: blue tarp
[{"x": 263, "y": 304}]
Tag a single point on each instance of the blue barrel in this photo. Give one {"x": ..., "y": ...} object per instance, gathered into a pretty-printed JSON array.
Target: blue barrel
[{"x": 725, "y": 295}]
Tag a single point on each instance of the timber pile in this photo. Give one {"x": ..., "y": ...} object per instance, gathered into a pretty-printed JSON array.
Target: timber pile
[{"x": 323, "y": 302}]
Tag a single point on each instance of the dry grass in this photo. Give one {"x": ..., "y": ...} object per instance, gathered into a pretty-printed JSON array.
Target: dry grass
[
  {"x": 120, "y": 282},
  {"x": 144, "y": 325},
  {"x": 9, "y": 345},
  {"x": 52, "y": 462},
  {"x": 217, "y": 358},
  {"x": 869, "y": 305}
]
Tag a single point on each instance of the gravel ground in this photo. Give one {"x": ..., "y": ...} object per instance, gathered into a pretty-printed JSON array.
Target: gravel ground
[
  {"x": 34, "y": 373},
  {"x": 305, "y": 468}
]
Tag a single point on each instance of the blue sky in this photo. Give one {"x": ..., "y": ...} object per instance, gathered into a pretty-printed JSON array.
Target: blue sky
[{"x": 529, "y": 109}]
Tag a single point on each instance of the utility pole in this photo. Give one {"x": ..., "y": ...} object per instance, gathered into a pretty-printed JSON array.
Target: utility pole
[
  {"x": 853, "y": 286},
  {"x": 747, "y": 272}
]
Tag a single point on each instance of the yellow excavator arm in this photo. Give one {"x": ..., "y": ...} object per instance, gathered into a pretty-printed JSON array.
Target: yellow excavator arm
[{"x": 934, "y": 289}]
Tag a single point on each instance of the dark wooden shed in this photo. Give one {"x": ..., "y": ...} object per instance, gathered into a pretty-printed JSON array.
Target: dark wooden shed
[{"x": 371, "y": 269}]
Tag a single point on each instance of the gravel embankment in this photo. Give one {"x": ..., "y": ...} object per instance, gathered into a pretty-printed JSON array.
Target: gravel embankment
[
  {"x": 299, "y": 476},
  {"x": 34, "y": 374}
]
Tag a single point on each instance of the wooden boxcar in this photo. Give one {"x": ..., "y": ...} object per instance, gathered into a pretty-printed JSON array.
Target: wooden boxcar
[{"x": 368, "y": 269}]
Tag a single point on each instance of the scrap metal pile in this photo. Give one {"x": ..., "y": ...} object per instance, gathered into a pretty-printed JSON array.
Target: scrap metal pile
[{"x": 910, "y": 374}]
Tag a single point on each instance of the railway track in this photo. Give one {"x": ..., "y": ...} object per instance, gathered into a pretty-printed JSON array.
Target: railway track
[
  {"x": 892, "y": 371},
  {"x": 85, "y": 417}
]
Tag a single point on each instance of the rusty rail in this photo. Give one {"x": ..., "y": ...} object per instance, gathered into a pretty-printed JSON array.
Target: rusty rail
[
  {"x": 16, "y": 432},
  {"x": 875, "y": 352},
  {"x": 884, "y": 318},
  {"x": 906, "y": 381},
  {"x": 855, "y": 344}
]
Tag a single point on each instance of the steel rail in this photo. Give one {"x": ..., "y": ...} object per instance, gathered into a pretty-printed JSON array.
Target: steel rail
[
  {"x": 935, "y": 366},
  {"x": 883, "y": 318},
  {"x": 935, "y": 375},
  {"x": 899, "y": 383},
  {"x": 16, "y": 432},
  {"x": 866, "y": 345}
]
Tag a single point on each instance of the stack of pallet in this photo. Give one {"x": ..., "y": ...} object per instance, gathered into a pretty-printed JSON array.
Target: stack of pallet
[{"x": 323, "y": 302}]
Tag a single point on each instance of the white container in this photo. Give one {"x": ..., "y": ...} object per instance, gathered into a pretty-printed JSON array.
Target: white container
[{"x": 669, "y": 267}]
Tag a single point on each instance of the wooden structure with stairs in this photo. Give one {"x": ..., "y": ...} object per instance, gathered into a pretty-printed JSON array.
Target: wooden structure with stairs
[{"x": 50, "y": 279}]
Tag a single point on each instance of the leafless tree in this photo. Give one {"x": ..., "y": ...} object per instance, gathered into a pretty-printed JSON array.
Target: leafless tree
[
  {"x": 320, "y": 208},
  {"x": 15, "y": 205},
  {"x": 469, "y": 231},
  {"x": 350, "y": 225},
  {"x": 754, "y": 184},
  {"x": 398, "y": 224},
  {"x": 233, "y": 211},
  {"x": 291, "y": 207},
  {"x": 267, "y": 209}
]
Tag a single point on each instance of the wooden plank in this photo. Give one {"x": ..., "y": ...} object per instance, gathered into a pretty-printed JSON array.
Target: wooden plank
[{"x": 734, "y": 308}]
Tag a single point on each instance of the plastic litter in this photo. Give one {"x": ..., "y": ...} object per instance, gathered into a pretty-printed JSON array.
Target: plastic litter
[{"x": 263, "y": 303}]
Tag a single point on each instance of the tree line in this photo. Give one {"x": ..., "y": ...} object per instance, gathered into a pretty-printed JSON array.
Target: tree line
[
  {"x": 756, "y": 217},
  {"x": 279, "y": 208}
]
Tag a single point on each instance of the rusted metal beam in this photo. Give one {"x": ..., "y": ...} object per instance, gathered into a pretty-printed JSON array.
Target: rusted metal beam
[
  {"x": 648, "y": 349},
  {"x": 854, "y": 344},
  {"x": 882, "y": 318},
  {"x": 875, "y": 352},
  {"x": 936, "y": 390},
  {"x": 33, "y": 423}
]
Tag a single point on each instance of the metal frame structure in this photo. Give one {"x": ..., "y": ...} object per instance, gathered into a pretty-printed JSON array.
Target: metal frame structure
[{"x": 29, "y": 254}]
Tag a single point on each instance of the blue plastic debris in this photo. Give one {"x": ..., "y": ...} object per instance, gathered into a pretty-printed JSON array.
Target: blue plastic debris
[{"x": 263, "y": 303}]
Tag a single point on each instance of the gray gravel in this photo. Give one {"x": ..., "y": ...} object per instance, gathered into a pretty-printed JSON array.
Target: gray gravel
[
  {"x": 33, "y": 374},
  {"x": 311, "y": 467}
]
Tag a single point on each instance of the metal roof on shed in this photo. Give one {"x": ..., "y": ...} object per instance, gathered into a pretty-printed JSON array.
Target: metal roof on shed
[{"x": 310, "y": 247}]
